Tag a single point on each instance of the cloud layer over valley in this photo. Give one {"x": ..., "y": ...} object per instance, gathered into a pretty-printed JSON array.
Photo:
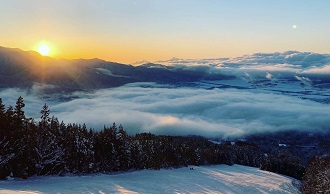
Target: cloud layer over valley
[
  {"x": 286, "y": 62},
  {"x": 185, "y": 111},
  {"x": 274, "y": 92}
]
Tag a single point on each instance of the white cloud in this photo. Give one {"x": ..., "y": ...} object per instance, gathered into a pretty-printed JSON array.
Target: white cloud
[
  {"x": 305, "y": 80},
  {"x": 108, "y": 72},
  {"x": 194, "y": 111},
  {"x": 182, "y": 111},
  {"x": 40, "y": 87},
  {"x": 32, "y": 99},
  {"x": 268, "y": 75},
  {"x": 290, "y": 62},
  {"x": 318, "y": 70}
]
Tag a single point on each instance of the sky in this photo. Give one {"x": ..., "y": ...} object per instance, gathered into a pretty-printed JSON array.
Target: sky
[{"x": 127, "y": 31}]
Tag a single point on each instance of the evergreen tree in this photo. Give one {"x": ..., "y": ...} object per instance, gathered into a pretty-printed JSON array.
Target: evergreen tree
[
  {"x": 3, "y": 123},
  {"x": 105, "y": 151},
  {"x": 317, "y": 176},
  {"x": 68, "y": 142},
  {"x": 2, "y": 113},
  {"x": 84, "y": 149},
  {"x": 48, "y": 152},
  {"x": 122, "y": 149},
  {"x": 18, "y": 134},
  {"x": 9, "y": 117},
  {"x": 19, "y": 113},
  {"x": 6, "y": 152},
  {"x": 45, "y": 119}
]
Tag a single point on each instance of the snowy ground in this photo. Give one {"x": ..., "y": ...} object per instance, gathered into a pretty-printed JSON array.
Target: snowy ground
[{"x": 210, "y": 179}]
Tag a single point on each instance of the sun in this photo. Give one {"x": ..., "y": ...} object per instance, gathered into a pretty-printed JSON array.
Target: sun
[{"x": 44, "y": 49}]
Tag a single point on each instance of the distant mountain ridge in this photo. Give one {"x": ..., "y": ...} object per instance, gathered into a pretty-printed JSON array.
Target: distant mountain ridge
[
  {"x": 23, "y": 69},
  {"x": 296, "y": 73}
]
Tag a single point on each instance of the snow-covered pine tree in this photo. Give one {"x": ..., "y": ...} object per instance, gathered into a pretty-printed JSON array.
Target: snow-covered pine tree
[
  {"x": 19, "y": 115},
  {"x": 317, "y": 176},
  {"x": 48, "y": 152},
  {"x": 6, "y": 151},
  {"x": 105, "y": 154},
  {"x": 84, "y": 149},
  {"x": 18, "y": 136},
  {"x": 122, "y": 149}
]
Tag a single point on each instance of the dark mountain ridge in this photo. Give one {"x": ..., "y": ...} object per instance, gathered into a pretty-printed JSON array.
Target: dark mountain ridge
[
  {"x": 26, "y": 69},
  {"x": 23, "y": 69}
]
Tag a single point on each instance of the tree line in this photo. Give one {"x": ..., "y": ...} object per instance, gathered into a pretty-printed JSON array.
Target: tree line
[{"x": 50, "y": 147}]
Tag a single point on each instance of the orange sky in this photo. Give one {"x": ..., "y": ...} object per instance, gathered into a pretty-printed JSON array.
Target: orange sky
[{"x": 128, "y": 31}]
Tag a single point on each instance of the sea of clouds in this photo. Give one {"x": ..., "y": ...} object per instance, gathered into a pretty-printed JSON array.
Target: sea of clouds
[
  {"x": 183, "y": 111},
  {"x": 290, "y": 60},
  {"x": 167, "y": 110},
  {"x": 269, "y": 65}
]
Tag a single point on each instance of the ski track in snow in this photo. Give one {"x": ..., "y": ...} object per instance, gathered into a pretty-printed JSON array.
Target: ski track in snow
[{"x": 204, "y": 179}]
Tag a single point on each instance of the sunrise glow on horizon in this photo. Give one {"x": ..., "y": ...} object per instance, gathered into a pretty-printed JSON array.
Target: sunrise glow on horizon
[
  {"x": 44, "y": 50},
  {"x": 129, "y": 31}
]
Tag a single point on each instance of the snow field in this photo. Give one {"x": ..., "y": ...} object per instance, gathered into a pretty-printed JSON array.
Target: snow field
[{"x": 204, "y": 179}]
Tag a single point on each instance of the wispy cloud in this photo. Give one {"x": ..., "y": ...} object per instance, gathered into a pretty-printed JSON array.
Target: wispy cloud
[{"x": 306, "y": 81}]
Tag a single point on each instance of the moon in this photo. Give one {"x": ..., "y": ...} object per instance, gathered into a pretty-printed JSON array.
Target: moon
[{"x": 44, "y": 50}]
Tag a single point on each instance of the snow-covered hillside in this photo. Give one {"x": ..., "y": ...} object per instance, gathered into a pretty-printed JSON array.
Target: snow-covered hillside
[{"x": 210, "y": 179}]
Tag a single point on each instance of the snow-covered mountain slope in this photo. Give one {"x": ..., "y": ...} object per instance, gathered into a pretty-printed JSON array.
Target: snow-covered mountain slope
[{"x": 204, "y": 179}]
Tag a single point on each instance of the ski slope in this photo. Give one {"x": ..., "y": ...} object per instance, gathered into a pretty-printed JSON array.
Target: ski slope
[{"x": 203, "y": 179}]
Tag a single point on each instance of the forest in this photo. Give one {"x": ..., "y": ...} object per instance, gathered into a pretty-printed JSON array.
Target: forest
[{"x": 50, "y": 147}]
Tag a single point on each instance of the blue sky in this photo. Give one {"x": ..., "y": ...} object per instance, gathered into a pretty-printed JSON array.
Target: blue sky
[{"x": 132, "y": 30}]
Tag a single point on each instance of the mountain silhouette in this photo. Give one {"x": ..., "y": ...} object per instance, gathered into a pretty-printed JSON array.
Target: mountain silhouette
[{"x": 23, "y": 69}]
